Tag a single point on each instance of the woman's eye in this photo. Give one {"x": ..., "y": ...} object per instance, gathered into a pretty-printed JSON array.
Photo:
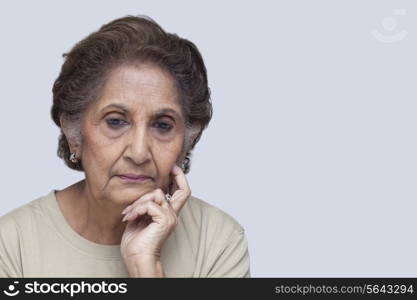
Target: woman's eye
[
  {"x": 163, "y": 127},
  {"x": 115, "y": 123}
]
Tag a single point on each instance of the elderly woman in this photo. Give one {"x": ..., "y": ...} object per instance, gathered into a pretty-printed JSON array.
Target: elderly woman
[{"x": 132, "y": 101}]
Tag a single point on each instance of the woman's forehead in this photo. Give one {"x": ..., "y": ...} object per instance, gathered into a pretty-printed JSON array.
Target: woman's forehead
[
  {"x": 142, "y": 78},
  {"x": 128, "y": 88}
]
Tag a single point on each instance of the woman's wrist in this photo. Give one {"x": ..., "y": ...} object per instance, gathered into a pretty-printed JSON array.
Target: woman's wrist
[{"x": 144, "y": 266}]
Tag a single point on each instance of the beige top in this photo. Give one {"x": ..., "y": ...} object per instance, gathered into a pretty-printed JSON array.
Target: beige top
[{"x": 37, "y": 241}]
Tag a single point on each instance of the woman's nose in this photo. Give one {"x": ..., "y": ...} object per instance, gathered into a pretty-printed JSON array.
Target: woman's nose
[{"x": 139, "y": 146}]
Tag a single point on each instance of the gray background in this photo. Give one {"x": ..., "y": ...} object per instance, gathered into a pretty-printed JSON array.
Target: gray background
[{"x": 312, "y": 146}]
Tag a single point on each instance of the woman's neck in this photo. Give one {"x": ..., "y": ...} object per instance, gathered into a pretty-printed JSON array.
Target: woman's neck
[{"x": 96, "y": 220}]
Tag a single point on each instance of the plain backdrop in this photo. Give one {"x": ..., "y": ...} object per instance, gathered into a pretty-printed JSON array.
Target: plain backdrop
[{"x": 312, "y": 146}]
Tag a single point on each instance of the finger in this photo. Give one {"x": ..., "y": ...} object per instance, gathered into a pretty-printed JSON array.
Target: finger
[
  {"x": 161, "y": 215},
  {"x": 156, "y": 212},
  {"x": 136, "y": 211},
  {"x": 156, "y": 196},
  {"x": 144, "y": 198},
  {"x": 181, "y": 195},
  {"x": 160, "y": 198}
]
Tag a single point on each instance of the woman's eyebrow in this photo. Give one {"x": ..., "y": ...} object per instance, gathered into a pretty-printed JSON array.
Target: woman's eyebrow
[
  {"x": 164, "y": 111},
  {"x": 116, "y": 105},
  {"x": 159, "y": 113}
]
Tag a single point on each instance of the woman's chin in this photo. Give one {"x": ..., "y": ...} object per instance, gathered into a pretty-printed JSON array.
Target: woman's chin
[{"x": 127, "y": 194}]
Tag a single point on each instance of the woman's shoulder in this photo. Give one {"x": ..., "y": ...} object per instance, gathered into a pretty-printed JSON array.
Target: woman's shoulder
[
  {"x": 208, "y": 214},
  {"x": 15, "y": 227},
  {"x": 24, "y": 214},
  {"x": 219, "y": 237}
]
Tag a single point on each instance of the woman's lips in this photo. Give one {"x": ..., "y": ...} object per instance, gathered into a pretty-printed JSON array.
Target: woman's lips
[{"x": 134, "y": 178}]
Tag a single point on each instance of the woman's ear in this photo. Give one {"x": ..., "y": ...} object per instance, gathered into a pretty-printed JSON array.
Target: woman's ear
[
  {"x": 72, "y": 133},
  {"x": 193, "y": 133}
]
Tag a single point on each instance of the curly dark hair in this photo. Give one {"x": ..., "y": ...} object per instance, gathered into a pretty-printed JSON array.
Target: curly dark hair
[{"x": 129, "y": 40}]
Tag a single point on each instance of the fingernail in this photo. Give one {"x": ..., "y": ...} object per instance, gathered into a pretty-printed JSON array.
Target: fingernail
[
  {"x": 125, "y": 218},
  {"x": 125, "y": 210}
]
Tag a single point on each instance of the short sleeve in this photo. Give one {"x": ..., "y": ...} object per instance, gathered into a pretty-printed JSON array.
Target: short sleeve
[
  {"x": 10, "y": 262},
  {"x": 233, "y": 260}
]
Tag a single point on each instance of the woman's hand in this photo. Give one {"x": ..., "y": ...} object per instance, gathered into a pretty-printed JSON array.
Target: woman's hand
[{"x": 151, "y": 219}]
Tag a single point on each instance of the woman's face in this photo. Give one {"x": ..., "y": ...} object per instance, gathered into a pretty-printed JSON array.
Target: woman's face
[{"x": 136, "y": 127}]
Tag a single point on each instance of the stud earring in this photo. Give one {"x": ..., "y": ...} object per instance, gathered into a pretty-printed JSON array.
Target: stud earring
[
  {"x": 185, "y": 163},
  {"x": 73, "y": 158}
]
